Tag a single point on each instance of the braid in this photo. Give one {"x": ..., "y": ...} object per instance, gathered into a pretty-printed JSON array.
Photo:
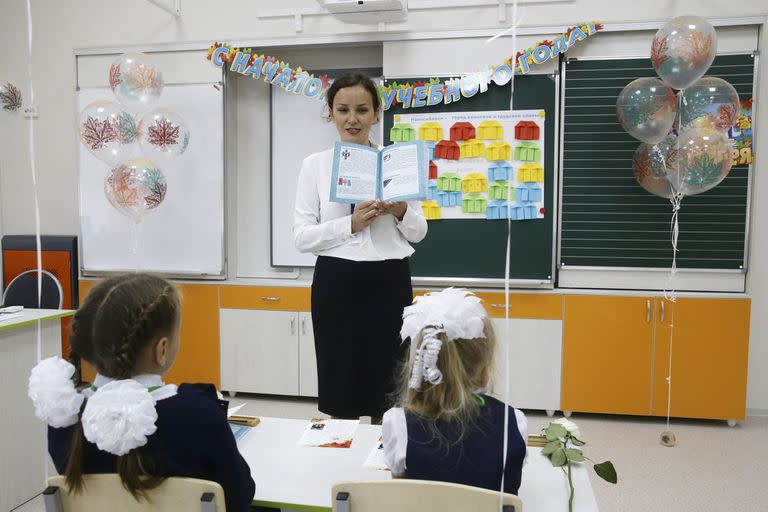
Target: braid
[{"x": 138, "y": 323}]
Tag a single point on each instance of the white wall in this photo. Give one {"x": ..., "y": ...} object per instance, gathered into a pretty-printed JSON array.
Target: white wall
[{"x": 63, "y": 25}]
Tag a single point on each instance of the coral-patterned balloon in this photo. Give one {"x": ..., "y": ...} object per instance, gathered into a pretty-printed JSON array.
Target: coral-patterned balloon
[
  {"x": 164, "y": 134},
  {"x": 136, "y": 82},
  {"x": 703, "y": 161},
  {"x": 682, "y": 50},
  {"x": 650, "y": 163},
  {"x": 107, "y": 131},
  {"x": 135, "y": 187},
  {"x": 646, "y": 109}
]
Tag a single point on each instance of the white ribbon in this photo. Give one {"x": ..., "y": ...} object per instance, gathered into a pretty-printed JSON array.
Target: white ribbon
[{"x": 425, "y": 360}]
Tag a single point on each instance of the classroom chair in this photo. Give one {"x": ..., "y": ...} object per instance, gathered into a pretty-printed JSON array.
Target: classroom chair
[
  {"x": 406, "y": 495},
  {"x": 22, "y": 291},
  {"x": 106, "y": 492}
]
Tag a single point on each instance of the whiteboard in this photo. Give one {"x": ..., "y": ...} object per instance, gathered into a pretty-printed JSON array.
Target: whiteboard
[
  {"x": 185, "y": 234},
  {"x": 298, "y": 130}
]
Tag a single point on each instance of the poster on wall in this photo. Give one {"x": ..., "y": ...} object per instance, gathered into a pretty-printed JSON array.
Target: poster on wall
[
  {"x": 480, "y": 160},
  {"x": 741, "y": 134}
]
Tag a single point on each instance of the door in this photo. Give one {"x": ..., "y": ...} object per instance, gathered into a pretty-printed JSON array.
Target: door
[
  {"x": 307, "y": 360},
  {"x": 607, "y": 354},
  {"x": 710, "y": 345},
  {"x": 260, "y": 351}
]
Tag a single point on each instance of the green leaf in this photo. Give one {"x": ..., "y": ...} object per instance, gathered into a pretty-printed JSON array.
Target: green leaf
[
  {"x": 605, "y": 470},
  {"x": 574, "y": 455},
  {"x": 558, "y": 458},
  {"x": 555, "y": 431},
  {"x": 577, "y": 441},
  {"x": 551, "y": 447}
]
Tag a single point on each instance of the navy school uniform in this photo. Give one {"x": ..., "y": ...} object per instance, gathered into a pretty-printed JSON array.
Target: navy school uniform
[
  {"x": 475, "y": 458},
  {"x": 193, "y": 439}
]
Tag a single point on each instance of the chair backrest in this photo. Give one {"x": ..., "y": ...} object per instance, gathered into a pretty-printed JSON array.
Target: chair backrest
[
  {"x": 106, "y": 492},
  {"x": 22, "y": 291},
  {"x": 405, "y": 495}
]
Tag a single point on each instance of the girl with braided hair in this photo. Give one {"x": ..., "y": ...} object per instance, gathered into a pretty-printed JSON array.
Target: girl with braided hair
[
  {"x": 129, "y": 422},
  {"x": 445, "y": 427}
]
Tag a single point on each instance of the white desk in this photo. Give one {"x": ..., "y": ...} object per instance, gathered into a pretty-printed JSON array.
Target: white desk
[
  {"x": 22, "y": 436},
  {"x": 300, "y": 478}
]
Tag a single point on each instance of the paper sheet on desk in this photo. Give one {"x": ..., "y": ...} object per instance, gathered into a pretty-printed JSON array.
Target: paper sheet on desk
[
  {"x": 375, "y": 459},
  {"x": 9, "y": 316},
  {"x": 329, "y": 433}
]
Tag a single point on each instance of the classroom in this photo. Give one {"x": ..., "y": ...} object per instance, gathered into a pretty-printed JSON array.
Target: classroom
[{"x": 427, "y": 255}]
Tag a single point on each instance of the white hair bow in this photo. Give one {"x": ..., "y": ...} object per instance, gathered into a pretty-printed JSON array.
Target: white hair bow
[{"x": 454, "y": 311}]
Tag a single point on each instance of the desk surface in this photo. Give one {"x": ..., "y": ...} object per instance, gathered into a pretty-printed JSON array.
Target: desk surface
[
  {"x": 30, "y": 316},
  {"x": 300, "y": 478}
]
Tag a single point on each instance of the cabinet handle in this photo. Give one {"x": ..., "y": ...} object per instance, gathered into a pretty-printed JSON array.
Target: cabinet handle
[
  {"x": 662, "y": 310},
  {"x": 648, "y": 311},
  {"x": 270, "y": 299},
  {"x": 304, "y": 326},
  {"x": 293, "y": 325},
  {"x": 500, "y": 306}
]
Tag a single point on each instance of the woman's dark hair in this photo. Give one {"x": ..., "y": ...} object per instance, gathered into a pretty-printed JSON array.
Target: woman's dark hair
[
  {"x": 120, "y": 317},
  {"x": 349, "y": 80}
]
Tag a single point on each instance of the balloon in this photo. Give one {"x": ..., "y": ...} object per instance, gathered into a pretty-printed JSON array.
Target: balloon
[
  {"x": 703, "y": 161},
  {"x": 107, "y": 131},
  {"x": 135, "y": 81},
  {"x": 164, "y": 134},
  {"x": 646, "y": 109},
  {"x": 650, "y": 164},
  {"x": 710, "y": 102},
  {"x": 135, "y": 187},
  {"x": 682, "y": 50}
]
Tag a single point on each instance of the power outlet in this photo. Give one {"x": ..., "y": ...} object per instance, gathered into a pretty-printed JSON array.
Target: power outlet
[{"x": 30, "y": 112}]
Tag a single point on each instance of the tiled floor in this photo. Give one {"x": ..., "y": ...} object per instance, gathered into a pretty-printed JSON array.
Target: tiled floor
[{"x": 713, "y": 467}]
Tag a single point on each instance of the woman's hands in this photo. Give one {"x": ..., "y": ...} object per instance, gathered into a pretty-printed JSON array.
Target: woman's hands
[
  {"x": 367, "y": 211},
  {"x": 364, "y": 214}
]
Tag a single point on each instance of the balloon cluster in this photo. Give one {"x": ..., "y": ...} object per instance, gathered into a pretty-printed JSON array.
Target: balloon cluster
[
  {"x": 121, "y": 134},
  {"x": 685, "y": 148}
]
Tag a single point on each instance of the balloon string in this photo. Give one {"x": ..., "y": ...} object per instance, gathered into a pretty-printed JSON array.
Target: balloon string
[{"x": 508, "y": 332}]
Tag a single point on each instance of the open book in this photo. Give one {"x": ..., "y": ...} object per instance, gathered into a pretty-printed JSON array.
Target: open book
[{"x": 394, "y": 173}]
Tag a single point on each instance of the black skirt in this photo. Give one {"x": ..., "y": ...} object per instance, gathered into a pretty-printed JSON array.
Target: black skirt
[{"x": 357, "y": 313}]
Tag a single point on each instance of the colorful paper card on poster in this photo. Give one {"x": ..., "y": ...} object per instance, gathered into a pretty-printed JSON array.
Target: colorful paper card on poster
[{"x": 486, "y": 165}]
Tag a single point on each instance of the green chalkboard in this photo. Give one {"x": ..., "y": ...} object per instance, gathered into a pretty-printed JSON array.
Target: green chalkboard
[
  {"x": 608, "y": 220},
  {"x": 469, "y": 248}
]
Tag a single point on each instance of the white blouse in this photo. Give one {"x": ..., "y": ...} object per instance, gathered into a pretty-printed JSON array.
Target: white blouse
[
  {"x": 325, "y": 228},
  {"x": 394, "y": 433}
]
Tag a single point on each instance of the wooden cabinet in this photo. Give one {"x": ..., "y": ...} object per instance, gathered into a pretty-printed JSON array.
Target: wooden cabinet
[
  {"x": 533, "y": 348},
  {"x": 307, "y": 360},
  {"x": 710, "y": 345},
  {"x": 267, "y": 342},
  {"x": 260, "y": 351},
  {"x": 607, "y": 354},
  {"x": 616, "y": 356}
]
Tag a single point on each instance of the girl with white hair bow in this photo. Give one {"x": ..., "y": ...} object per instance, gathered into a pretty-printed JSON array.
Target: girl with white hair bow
[{"x": 446, "y": 428}]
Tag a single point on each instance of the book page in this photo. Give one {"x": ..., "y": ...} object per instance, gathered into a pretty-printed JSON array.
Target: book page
[
  {"x": 355, "y": 173},
  {"x": 329, "y": 433},
  {"x": 400, "y": 169}
]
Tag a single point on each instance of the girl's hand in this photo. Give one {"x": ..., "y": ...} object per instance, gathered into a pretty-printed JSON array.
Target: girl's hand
[
  {"x": 364, "y": 214},
  {"x": 397, "y": 208}
]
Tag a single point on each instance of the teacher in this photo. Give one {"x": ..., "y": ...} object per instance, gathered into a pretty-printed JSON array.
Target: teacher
[{"x": 362, "y": 279}]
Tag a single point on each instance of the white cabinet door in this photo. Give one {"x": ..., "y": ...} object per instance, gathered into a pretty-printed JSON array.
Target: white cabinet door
[
  {"x": 535, "y": 362},
  {"x": 259, "y": 351},
  {"x": 307, "y": 360}
]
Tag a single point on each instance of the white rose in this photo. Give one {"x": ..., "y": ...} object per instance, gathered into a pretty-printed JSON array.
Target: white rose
[{"x": 569, "y": 426}]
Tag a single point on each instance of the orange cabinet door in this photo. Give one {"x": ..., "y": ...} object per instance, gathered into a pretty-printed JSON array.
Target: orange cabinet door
[
  {"x": 198, "y": 357},
  {"x": 710, "y": 345},
  {"x": 607, "y": 354}
]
